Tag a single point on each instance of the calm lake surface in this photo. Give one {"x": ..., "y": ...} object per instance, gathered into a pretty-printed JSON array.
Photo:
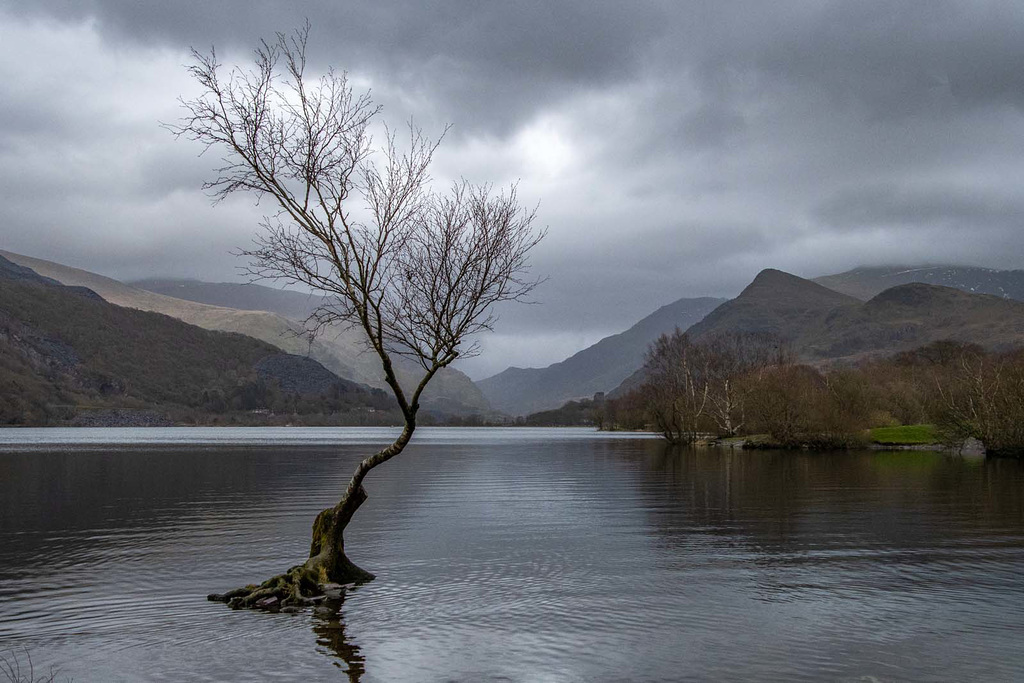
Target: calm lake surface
[{"x": 510, "y": 555}]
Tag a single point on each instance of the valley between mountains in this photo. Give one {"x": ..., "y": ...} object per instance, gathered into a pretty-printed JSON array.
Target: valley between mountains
[{"x": 82, "y": 348}]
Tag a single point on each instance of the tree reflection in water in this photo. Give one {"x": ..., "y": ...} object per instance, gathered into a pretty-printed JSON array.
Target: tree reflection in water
[{"x": 329, "y": 627}]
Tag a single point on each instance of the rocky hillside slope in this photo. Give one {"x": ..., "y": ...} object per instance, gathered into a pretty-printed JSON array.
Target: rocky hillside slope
[
  {"x": 67, "y": 355},
  {"x": 341, "y": 351}
]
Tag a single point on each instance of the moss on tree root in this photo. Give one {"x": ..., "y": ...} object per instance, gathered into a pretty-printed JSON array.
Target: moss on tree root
[
  {"x": 298, "y": 587},
  {"x": 304, "y": 584}
]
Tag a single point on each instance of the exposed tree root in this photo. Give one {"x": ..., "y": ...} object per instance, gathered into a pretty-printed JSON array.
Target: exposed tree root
[
  {"x": 326, "y": 571},
  {"x": 298, "y": 587}
]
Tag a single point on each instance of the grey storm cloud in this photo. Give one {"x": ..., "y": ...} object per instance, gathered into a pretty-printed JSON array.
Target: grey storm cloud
[
  {"x": 675, "y": 149},
  {"x": 531, "y": 52},
  {"x": 869, "y": 207}
]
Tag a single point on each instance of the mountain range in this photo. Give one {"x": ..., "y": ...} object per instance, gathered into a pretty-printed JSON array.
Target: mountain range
[
  {"x": 822, "y": 326},
  {"x": 67, "y": 356},
  {"x": 256, "y": 312},
  {"x": 864, "y": 283},
  {"x": 835, "y": 318},
  {"x": 598, "y": 368}
]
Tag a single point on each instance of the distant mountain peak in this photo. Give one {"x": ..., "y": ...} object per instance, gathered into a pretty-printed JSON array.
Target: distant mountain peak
[
  {"x": 910, "y": 294},
  {"x": 773, "y": 284},
  {"x": 248, "y": 296},
  {"x": 867, "y": 281},
  {"x": 920, "y": 295},
  {"x": 598, "y": 368},
  {"x": 771, "y": 278},
  {"x": 774, "y": 274}
]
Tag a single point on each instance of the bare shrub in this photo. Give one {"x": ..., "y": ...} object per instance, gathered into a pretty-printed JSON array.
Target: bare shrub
[
  {"x": 984, "y": 399},
  {"x": 17, "y": 667}
]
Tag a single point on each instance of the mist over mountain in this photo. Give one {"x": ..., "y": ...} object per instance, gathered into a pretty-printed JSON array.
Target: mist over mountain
[
  {"x": 866, "y": 282},
  {"x": 340, "y": 350},
  {"x": 245, "y": 297},
  {"x": 600, "y": 367}
]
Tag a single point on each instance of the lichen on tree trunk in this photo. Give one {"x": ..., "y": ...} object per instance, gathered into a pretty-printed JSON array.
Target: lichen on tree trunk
[{"x": 327, "y": 550}]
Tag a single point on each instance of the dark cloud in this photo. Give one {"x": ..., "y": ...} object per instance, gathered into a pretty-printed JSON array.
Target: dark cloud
[
  {"x": 886, "y": 206},
  {"x": 496, "y": 62},
  {"x": 891, "y": 57},
  {"x": 676, "y": 148},
  {"x": 711, "y": 125}
]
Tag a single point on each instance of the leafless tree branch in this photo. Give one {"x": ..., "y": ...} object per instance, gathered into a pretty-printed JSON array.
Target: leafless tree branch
[{"x": 417, "y": 270}]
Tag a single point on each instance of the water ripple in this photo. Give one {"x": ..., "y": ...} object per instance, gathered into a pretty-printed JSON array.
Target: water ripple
[{"x": 508, "y": 556}]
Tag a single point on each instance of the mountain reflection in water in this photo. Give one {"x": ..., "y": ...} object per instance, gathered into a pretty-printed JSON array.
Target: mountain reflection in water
[{"x": 513, "y": 555}]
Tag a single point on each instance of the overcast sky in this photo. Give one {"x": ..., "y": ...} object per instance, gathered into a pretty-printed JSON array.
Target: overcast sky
[{"x": 675, "y": 148}]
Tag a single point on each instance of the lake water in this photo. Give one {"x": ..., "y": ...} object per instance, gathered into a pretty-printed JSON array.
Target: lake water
[{"x": 509, "y": 555}]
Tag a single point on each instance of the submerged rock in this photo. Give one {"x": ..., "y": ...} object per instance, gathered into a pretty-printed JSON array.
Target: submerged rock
[
  {"x": 230, "y": 595},
  {"x": 332, "y": 590}
]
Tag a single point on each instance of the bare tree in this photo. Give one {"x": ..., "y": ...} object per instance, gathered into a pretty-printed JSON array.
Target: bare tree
[
  {"x": 782, "y": 404},
  {"x": 983, "y": 398},
  {"x": 675, "y": 389},
  {"x": 731, "y": 358},
  {"x": 14, "y": 669},
  {"x": 690, "y": 388},
  {"x": 417, "y": 271}
]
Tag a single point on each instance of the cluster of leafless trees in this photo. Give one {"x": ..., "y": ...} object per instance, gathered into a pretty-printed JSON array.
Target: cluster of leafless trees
[
  {"x": 691, "y": 389},
  {"x": 750, "y": 384},
  {"x": 983, "y": 398}
]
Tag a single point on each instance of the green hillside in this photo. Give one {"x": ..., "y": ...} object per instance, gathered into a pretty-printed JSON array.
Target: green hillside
[{"x": 66, "y": 353}]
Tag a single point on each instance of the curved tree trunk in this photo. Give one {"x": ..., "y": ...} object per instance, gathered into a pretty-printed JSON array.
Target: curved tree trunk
[
  {"x": 327, "y": 550},
  {"x": 327, "y": 564}
]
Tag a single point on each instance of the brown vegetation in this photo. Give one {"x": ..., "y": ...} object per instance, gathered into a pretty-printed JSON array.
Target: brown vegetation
[
  {"x": 748, "y": 385},
  {"x": 983, "y": 398}
]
